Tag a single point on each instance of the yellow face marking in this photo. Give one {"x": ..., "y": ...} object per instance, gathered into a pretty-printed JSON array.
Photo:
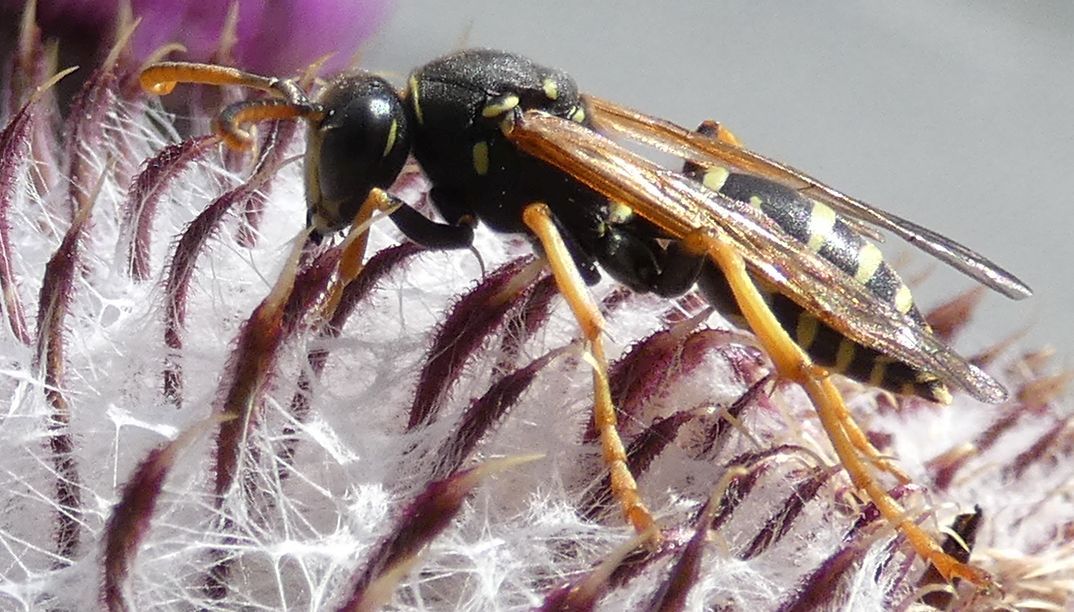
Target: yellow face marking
[
  {"x": 551, "y": 90},
  {"x": 845, "y": 355},
  {"x": 869, "y": 260},
  {"x": 414, "y": 86},
  {"x": 578, "y": 114},
  {"x": 500, "y": 106},
  {"x": 393, "y": 132},
  {"x": 821, "y": 222},
  {"x": 481, "y": 158},
  {"x": 619, "y": 213},
  {"x": 904, "y": 301},
  {"x": 715, "y": 178},
  {"x": 807, "y": 330}
]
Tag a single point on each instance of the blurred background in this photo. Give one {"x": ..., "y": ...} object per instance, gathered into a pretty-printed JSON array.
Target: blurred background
[{"x": 957, "y": 114}]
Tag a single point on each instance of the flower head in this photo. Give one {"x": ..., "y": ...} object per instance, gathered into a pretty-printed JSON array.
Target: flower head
[{"x": 195, "y": 419}]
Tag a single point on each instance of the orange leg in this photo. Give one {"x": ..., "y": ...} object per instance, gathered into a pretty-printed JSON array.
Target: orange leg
[
  {"x": 161, "y": 78},
  {"x": 720, "y": 133},
  {"x": 538, "y": 218},
  {"x": 291, "y": 101},
  {"x": 791, "y": 362}
]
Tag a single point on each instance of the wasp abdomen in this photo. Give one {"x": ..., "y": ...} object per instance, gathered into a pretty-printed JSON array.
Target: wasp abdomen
[{"x": 819, "y": 228}]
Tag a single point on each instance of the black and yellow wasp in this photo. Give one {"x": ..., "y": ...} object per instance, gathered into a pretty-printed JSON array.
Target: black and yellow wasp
[{"x": 513, "y": 144}]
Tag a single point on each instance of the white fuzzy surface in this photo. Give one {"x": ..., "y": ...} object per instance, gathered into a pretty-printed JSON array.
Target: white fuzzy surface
[{"x": 518, "y": 537}]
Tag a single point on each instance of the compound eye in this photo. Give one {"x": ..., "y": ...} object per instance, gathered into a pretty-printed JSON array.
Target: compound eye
[{"x": 362, "y": 143}]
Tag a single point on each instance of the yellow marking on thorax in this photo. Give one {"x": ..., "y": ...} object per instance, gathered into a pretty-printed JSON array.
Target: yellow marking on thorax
[
  {"x": 619, "y": 213},
  {"x": 715, "y": 178},
  {"x": 821, "y": 224},
  {"x": 551, "y": 90},
  {"x": 415, "y": 101},
  {"x": 757, "y": 202},
  {"x": 869, "y": 260},
  {"x": 481, "y": 158},
  {"x": 904, "y": 300},
  {"x": 393, "y": 131},
  {"x": 806, "y": 331},
  {"x": 578, "y": 114},
  {"x": 500, "y": 106}
]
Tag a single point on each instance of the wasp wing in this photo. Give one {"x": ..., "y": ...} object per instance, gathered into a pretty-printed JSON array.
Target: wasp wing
[
  {"x": 675, "y": 139},
  {"x": 680, "y": 205}
]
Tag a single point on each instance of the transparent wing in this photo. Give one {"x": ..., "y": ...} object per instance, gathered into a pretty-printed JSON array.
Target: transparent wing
[
  {"x": 679, "y": 205},
  {"x": 674, "y": 139}
]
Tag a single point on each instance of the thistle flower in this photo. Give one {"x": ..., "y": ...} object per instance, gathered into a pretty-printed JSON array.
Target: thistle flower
[
  {"x": 274, "y": 38},
  {"x": 182, "y": 430}
]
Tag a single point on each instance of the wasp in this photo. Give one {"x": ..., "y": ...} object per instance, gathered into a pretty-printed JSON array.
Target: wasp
[{"x": 512, "y": 144}]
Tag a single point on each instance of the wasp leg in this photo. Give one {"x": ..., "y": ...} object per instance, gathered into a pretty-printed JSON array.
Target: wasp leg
[
  {"x": 291, "y": 101},
  {"x": 430, "y": 234},
  {"x": 792, "y": 362},
  {"x": 228, "y": 123},
  {"x": 538, "y": 218},
  {"x": 161, "y": 78},
  {"x": 715, "y": 131}
]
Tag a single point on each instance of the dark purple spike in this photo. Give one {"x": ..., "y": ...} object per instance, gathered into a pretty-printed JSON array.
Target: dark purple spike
[
  {"x": 714, "y": 437},
  {"x": 424, "y": 519},
  {"x": 180, "y": 271},
  {"x": 57, "y": 288},
  {"x": 29, "y": 63},
  {"x": 582, "y": 594},
  {"x": 648, "y": 367},
  {"x": 671, "y": 596},
  {"x": 535, "y": 311},
  {"x": 641, "y": 452},
  {"x": 378, "y": 266},
  {"x": 672, "y": 541},
  {"x": 947, "y": 319},
  {"x": 1044, "y": 389},
  {"x": 965, "y": 526},
  {"x": 746, "y": 361},
  {"x": 485, "y": 412},
  {"x": 815, "y": 591},
  {"x": 83, "y": 133},
  {"x": 14, "y": 141},
  {"x": 145, "y": 193},
  {"x": 945, "y": 466},
  {"x": 129, "y": 521},
  {"x": 310, "y": 286},
  {"x": 1043, "y": 450},
  {"x": 278, "y": 137},
  {"x": 248, "y": 373},
  {"x": 658, "y": 362},
  {"x": 740, "y": 486},
  {"x": 473, "y": 317},
  {"x": 643, "y": 372},
  {"x": 779, "y": 524},
  {"x": 1008, "y": 421}
]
